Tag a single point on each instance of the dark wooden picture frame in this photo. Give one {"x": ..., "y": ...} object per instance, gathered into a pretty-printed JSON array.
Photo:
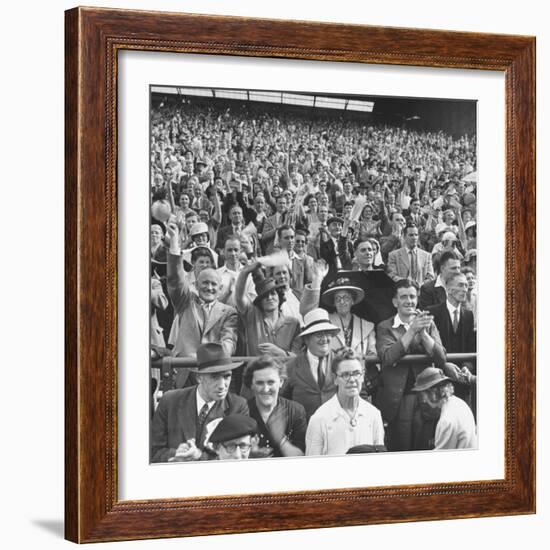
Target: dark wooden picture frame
[{"x": 93, "y": 511}]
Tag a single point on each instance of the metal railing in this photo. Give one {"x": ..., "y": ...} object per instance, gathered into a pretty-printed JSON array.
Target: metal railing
[{"x": 168, "y": 362}]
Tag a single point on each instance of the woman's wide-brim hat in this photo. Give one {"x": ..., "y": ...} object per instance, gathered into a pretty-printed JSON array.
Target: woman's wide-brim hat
[
  {"x": 339, "y": 284},
  {"x": 264, "y": 287},
  {"x": 429, "y": 378},
  {"x": 317, "y": 320},
  {"x": 212, "y": 358}
]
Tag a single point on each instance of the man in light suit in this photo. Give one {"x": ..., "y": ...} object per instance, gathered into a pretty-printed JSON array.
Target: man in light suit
[
  {"x": 310, "y": 380},
  {"x": 181, "y": 422},
  {"x": 199, "y": 319},
  {"x": 409, "y": 332},
  {"x": 409, "y": 261}
]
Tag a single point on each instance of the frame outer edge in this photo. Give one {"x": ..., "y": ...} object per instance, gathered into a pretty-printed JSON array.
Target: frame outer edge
[{"x": 72, "y": 449}]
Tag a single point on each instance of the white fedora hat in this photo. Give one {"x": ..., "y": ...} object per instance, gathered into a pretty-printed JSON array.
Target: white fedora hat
[{"x": 317, "y": 321}]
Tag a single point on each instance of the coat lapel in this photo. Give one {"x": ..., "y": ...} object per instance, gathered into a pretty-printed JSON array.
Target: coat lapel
[
  {"x": 303, "y": 372},
  {"x": 215, "y": 314},
  {"x": 187, "y": 415}
]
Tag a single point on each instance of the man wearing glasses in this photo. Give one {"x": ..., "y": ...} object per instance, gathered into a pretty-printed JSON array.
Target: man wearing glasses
[
  {"x": 345, "y": 421},
  {"x": 310, "y": 380},
  {"x": 232, "y": 438}
]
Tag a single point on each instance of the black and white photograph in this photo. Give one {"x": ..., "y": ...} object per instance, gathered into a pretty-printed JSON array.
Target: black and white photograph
[{"x": 313, "y": 274}]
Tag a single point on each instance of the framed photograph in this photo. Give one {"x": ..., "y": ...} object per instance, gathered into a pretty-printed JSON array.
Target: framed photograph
[{"x": 305, "y": 275}]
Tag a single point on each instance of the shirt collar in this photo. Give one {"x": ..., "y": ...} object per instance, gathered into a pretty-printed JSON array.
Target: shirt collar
[
  {"x": 338, "y": 411},
  {"x": 201, "y": 402},
  {"x": 452, "y": 308},
  {"x": 397, "y": 322},
  {"x": 439, "y": 282}
]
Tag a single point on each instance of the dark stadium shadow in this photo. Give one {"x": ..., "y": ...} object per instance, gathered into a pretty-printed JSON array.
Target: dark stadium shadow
[{"x": 54, "y": 526}]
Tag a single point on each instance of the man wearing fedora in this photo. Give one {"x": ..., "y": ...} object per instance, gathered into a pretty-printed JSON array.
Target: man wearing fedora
[
  {"x": 456, "y": 428},
  {"x": 267, "y": 329},
  {"x": 310, "y": 380},
  {"x": 335, "y": 248},
  {"x": 179, "y": 426},
  {"x": 410, "y": 332},
  {"x": 199, "y": 318}
]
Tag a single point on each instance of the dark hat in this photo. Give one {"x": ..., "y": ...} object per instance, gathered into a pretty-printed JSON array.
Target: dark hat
[
  {"x": 211, "y": 358},
  {"x": 233, "y": 426},
  {"x": 335, "y": 219},
  {"x": 342, "y": 283},
  {"x": 429, "y": 378},
  {"x": 263, "y": 287}
]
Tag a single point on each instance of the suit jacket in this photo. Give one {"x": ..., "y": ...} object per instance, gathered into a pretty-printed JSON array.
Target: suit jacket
[
  {"x": 395, "y": 376},
  {"x": 431, "y": 295},
  {"x": 399, "y": 265},
  {"x": 175, "y": 420},
  {"x": 301, "y": 273},
  {"x": 464, "y": 341},
  {"x": 328, "y": 253},
  {"x": 270, "y": 230},
  {"x": 220, "y": 327},
  {"x": 300, "y": 385}
]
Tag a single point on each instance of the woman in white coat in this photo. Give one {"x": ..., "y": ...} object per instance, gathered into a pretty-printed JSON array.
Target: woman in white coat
[{"x": 355, "y": 333}]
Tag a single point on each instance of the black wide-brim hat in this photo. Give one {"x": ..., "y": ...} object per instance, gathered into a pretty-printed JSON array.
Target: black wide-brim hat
[
  {"x": 264, "y": 287},
  {"x": 211, "y": 359},
  {"x": 342, "y": 283}
]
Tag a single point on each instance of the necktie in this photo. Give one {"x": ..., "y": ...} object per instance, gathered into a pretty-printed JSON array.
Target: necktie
[
  {"x": 455, "y": 320},
  {"x": 200, "y": 423},
  {"x": 320, "y": 374},
  {"x": 414, "y": 265}
]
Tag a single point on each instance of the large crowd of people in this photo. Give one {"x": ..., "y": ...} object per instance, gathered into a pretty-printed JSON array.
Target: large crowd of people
[{"x": 319, "y": 269}]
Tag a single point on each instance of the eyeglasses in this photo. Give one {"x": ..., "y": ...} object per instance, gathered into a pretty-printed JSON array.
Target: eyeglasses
[
  {"x": 232, "y": 447},
  {"x": 322, "y": 335},
  {"x": 347, "y": 376},
  {"x": 343, "y": 298}
]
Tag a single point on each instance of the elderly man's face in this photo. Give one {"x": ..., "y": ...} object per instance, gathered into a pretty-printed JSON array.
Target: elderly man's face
[
  {"x": 457, "y": 289},
  {"x": 235, "y": 449},
  {"x": 214, "y": 386},
  {"x": 318, "y": 343},
  {"x": 208, "y": 283}
]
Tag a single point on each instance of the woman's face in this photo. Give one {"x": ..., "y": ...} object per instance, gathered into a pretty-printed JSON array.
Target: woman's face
[
  {"x": 266, "y": 384},
  {"x": 471, "y": 280},
  {"x": 281, "y": 276},
  {"x": 364, "y": 254},
  {"x": 343, "y": 300}
]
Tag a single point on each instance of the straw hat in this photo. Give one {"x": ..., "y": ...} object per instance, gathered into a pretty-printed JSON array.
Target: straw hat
[{"x": 317, "y": 320}]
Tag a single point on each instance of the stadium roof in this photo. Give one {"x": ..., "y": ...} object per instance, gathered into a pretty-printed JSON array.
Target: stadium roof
[{"x": 284, "y": 98}]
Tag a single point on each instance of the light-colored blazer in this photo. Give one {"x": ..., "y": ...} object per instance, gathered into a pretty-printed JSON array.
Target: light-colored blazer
[
  {"x": 220, "y": 327},
  {"x": 363, "y": 339},
  {"x": 399, "y": 265}
]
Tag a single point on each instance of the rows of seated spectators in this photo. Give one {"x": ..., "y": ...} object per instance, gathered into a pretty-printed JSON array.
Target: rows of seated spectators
[{"x": 326, "y": 250}]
